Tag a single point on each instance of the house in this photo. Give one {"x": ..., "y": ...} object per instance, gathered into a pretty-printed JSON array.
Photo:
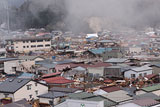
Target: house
[
  {"x": 19, "y": 88},
  {"x": 115, "y": 71},
  {"x": 136, "y": 50},
  {"x": 97, "y": 68},
  {"x": 2, "y": 60},
  {"x": 29, "y": 44},
  {"x": 28, "y": 62},
  {"x": 49, "y": 97},
  {"x": 58, "y": 82},
  {"x": 111, "y": 89},
  {"x": 138, "y": 72},
  {"x": 112, "y": 54}
]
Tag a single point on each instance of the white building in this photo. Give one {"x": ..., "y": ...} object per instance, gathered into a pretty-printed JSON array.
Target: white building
[
  {"x": 138, "y": 72},
  {"x": 19, "y": 88},
  {"x": 28, "y": 44}
]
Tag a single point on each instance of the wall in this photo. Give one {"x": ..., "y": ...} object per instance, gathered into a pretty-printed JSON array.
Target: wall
[
  {"x": 127, "y": 74},
  {"x": 18, "y": 46},
  {"x": 8, "y": 66},
  {"x": 97, "y": 70},
  {"x": 46, "y": 100}
]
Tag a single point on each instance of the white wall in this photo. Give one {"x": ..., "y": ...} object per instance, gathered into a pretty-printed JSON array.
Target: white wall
[
  {"x": 127, "y": 74},
  {"x": 8, "y": 66},
  {"x": 24, "y": 93},
  {"x": 96, "y": 70},
  {"x": 18, "y": 46},
  {"x": 135, "y": 50},
  {"x": 46, "y": 100}
]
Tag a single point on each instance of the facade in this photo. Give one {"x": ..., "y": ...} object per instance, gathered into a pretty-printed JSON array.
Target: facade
[
  {"x": 20, "y": 88},
  {"x": 29, "y": 44}
]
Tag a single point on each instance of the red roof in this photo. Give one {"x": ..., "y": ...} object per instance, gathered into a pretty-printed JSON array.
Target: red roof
[
  {"x": 150, "y": 76},
  {"x": 108, "y": 81},
  {"x": 57, "y": 80},
  {"x": 51, "y": 74},
  {"x": 111, "y": 89}
]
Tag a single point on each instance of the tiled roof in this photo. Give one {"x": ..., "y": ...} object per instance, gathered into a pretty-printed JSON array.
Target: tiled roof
[
  {"x": 57, "y": 80},
  {"x": 52, "y": 95},
  {"x": 151, "y": 88},
  {"x": 81, "y": 95},
  {"x": 11, "y": 85},
  {"x": 107, "y": 103},
  {"x": 111, "y": 89},
  {"x": 66, "y": 90},
  {"x": 145, "y": 102}
]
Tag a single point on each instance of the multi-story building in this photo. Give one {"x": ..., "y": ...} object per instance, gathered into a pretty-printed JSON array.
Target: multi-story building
[{"x": 28, "y": 44}]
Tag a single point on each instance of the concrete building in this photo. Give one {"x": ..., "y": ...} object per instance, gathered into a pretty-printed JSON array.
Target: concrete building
[{"x": 29, "y": 44}]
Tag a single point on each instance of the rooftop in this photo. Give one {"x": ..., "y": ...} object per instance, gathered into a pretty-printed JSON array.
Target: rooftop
[
  {"x": 58, "y": 80},
  {"x": 151, "y": 88},
  {"x": 11, "y": 85}
]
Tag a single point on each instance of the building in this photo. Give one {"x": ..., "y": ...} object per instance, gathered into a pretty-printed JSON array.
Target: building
[
  {"x": 29, "y": 44},
  {"x": 138, "y": 72},
  {"x": 20, "y": 88}
]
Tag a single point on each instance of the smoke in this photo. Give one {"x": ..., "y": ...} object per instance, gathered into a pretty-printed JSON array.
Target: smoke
[{"x": 88, "y": 15}]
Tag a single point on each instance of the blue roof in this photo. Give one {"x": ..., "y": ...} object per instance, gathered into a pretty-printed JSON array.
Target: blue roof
[
  {"x": 100, "y": 50},
  {"x": 26, "y": 75}
]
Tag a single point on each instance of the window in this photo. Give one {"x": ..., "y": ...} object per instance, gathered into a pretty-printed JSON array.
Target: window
[
  {"x": 6, "y": 95},
  {"x": 47, "y": 45},
  {"x": 33, "y": 41},
  {"x": 23, "y": 41},
  {"x": 39, "y": 45},
  {"x": 145, "y": 74},
  {"x": 30, "y": 96},
  {"x": 36, "y": 92},
  {"x": 27, "y": 46},
  {"x": 35, "y": 84},
  {"x": 39, "y": 40},
  {"x": 140, "y": 75},
  {"x": 47, "y": 40},
  {"x": 16, "y": 46},
  {"x": 24, "y": 47},
  {"x": 133, "y": 75},
  {"x": 29, "y": 87},
  {"x": 32, "y": 46},
  {"x": 50, "y": 102}
]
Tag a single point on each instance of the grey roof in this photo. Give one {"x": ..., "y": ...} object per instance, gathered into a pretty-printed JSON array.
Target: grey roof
[
  {"x": 81, "y": 95},
  {"x": 140, "y": 69},
  {"x": 11, "y": 85},
  {"x": 146, "y": 95},
  {"x": 20, "y": 103},
  {"x": 106, "y": 41},
  {"x": 65, "y": 90},
  {"x": 116, "y": 60},
  {"x": 118, "y": 96},
  {"x": 107, "y": 103},
  {"x": 7, "y": 59},
  {"x": 49, "y": 66},
  {"x": 51, "y": 95},
  {"x": 27, "y": 57}
]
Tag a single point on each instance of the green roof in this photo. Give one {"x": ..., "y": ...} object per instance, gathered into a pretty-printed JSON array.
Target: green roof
[
  {"x": 107, "y": 103},
  {"x": 81, "y": 95},
  {"x": 151, "y": 88}
]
